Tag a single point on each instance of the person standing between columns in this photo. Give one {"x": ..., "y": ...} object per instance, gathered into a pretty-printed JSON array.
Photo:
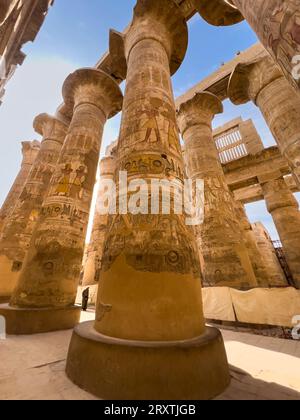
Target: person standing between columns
[
  {"x": 275, "y": 22},
  {"x": 95, "y": 248},
  {"x": 284, "y": 208},
  {"x": 262, "y": 82},
  {"x": 17, "y": 232},
  {"x": 149, "y": 317},
  {"x": 30, "y": 150},
  {"x": 225, "y": 259},
  {"x": 50, "y": 277}
]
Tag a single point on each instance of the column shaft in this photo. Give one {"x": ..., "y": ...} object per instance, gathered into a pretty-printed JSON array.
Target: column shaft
[
  {"x": 276, "y": 23},
  {"x": 95, "y": 248},
  {"x": 30, "y": 151},
  {"x": 18, "y": 230},
  {"x": 51, "y": 271},
  {"x": 258, "y": 264},
  {"x": 225, "y": 259}
]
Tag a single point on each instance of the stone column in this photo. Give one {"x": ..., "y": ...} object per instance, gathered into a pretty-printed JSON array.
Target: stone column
[
  {"x": 268, "y": 253},
  {"x": 48, "y": 283},
  {"x": 16, "y": 234},
  {"x": 149, "y": 313},
  {"x": 225, "y": 259},
  {"x": 263, "y": 83},
  {"x": 95, "y": 248},
  {"x": 275, "y": 22},
  {"x": 30, "y": 151},
  {"x": 284, "y": 209},
  {"x": 258, "y": 264}
]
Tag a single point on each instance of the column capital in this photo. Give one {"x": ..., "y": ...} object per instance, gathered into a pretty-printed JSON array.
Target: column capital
[
  {"x": 249, "y": 79},
  {"x": 277, "y": 193},
  {"x": 95, "y": 87},
  {"x": 50, "y": 127},
  {"x": 162, "y": 21},
  {"x": 64, "y": 114},
  {"x": 218, "y": 12},
  {"x": 107, "y": 166},
  {"x": 29, "y": 151},
  {"x": 201, "y": 109}
]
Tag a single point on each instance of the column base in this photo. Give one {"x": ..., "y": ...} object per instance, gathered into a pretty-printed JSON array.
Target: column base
[
  {"x": 26, "y": 321},
  {"x": 115, "y": 369}
]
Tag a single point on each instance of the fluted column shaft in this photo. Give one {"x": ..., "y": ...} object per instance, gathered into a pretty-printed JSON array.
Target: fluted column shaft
[
  {"x": 284, "y": 209},
  {"x": 30, "y": 151},
  {"x": 51, "y": 271}
]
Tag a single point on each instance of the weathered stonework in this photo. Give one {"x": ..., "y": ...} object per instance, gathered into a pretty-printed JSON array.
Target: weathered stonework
[
  {"x": 224, "y": 257},
  {"x": 276, "y": 23},
  {"x": 30, "y": 151},
  {"x": 264, "y": 84},
  {"x": 93, "y": 260},
  {"x": 19, "y": 227},
  {"x": 51, "y": 273},
  {"x": 149, "y": 297},
  {"x": 284, "y": 209}
]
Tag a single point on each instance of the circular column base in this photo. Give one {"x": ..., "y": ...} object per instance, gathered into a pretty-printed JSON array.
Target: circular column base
[
  {"x": 115, "y": 369},
  {"x": 25, "y": 321}
]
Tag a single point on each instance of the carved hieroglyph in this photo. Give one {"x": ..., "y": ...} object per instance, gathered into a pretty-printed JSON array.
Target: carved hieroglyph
[
  {"x": 95, "y": 248},
  {"x": 224, "y": 257},
  {"x": 276, "y": 23},
  {"x": 51, "y": 271},
  {"x": 284, "y": 209},
  {"x": 17, "y": 232},
  {"x": 263, "y": 83},
  {"x": 150, "y": 274},
  {"x": 30, "y": 151}
]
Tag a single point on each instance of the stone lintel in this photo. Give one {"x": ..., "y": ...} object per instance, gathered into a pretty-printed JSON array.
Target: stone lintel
[{"x": 246, "y": 171}]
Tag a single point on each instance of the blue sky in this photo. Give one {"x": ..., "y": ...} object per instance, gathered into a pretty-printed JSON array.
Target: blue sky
[{"x": 75, "y": 34}]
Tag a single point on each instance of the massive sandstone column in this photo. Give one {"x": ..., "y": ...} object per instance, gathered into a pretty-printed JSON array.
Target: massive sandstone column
[
  {"x": 149, "y": 320},
  {"x": 95, "y": 248},
  {"x": 30, "y": 151},
  {"x": 17, "y": 232},
  {"x": 269, "y": 256},
  {"x": 276, "y": 23},
  {"x": 284, "y": 209},
  {"x": 225, "y": 259},
  {"x": 263, "y": 83},
  {"x": 48, "y": 283},
  {"x": 258, "y": 264}
]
